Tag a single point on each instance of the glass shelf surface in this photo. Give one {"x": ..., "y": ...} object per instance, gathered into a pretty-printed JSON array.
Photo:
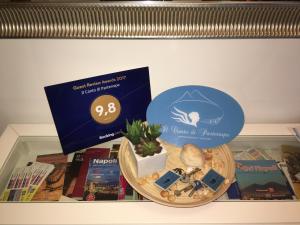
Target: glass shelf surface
[{"x": 26, "y": 149}]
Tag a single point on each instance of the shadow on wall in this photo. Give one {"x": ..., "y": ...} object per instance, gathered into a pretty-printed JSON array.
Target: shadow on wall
[{"x": 3, "y": 123}]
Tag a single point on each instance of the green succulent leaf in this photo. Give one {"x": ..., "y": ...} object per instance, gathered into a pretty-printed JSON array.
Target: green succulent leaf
[
  {"x": 149, "y": 148},
  {"x": 134, "y": 131},
  {"x": 152, "y": 131}
]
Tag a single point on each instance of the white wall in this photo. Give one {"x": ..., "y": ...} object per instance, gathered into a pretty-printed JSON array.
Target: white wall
[{"x": 263, "y": 75}]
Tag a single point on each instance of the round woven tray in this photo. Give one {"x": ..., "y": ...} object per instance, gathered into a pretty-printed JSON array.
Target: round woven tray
[{"x": 222, "y": 162}]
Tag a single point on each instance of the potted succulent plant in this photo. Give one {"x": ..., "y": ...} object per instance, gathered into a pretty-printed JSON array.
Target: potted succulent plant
[{"x": 147, "y": 153}]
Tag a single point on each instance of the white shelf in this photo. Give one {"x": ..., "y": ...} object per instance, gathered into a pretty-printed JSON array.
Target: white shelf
[{"x": 233, "y": 212}]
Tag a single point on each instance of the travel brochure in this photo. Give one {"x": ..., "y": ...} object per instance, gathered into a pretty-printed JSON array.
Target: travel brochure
[
  {"x": 52, "y": 187},
  {"x": 102, "y": 180},
  {"x": 173, "y": 148},
  {"x": 261, "y": 180},
  {"x": 24, "y": 182}
]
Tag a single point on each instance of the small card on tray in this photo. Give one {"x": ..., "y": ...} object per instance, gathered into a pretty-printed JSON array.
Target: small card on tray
[
  {"x": 167, "y": 180},
  {"x": 213, "y": 180}
]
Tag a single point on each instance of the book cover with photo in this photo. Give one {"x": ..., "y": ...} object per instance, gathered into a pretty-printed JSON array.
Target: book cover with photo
[
  {"x": 261, "y": 180},
  {"x": 52, "y": 187},
  {"x": 72, "y": 173},
  {"x": 80, "y": 181},
  {"x": 102, "y": 180},
  {"x": 291, "y": 155}
]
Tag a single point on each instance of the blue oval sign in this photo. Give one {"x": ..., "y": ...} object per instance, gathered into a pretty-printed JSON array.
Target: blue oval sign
[{"x": 197, "y": 115}]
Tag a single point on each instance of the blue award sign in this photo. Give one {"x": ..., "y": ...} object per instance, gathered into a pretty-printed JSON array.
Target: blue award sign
[
  {"x": 197, "y": 115},
  {"x": 94, "y": 110}
]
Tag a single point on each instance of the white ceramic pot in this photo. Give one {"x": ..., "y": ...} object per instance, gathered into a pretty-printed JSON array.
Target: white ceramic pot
[{"x": 147, "y": 165}]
